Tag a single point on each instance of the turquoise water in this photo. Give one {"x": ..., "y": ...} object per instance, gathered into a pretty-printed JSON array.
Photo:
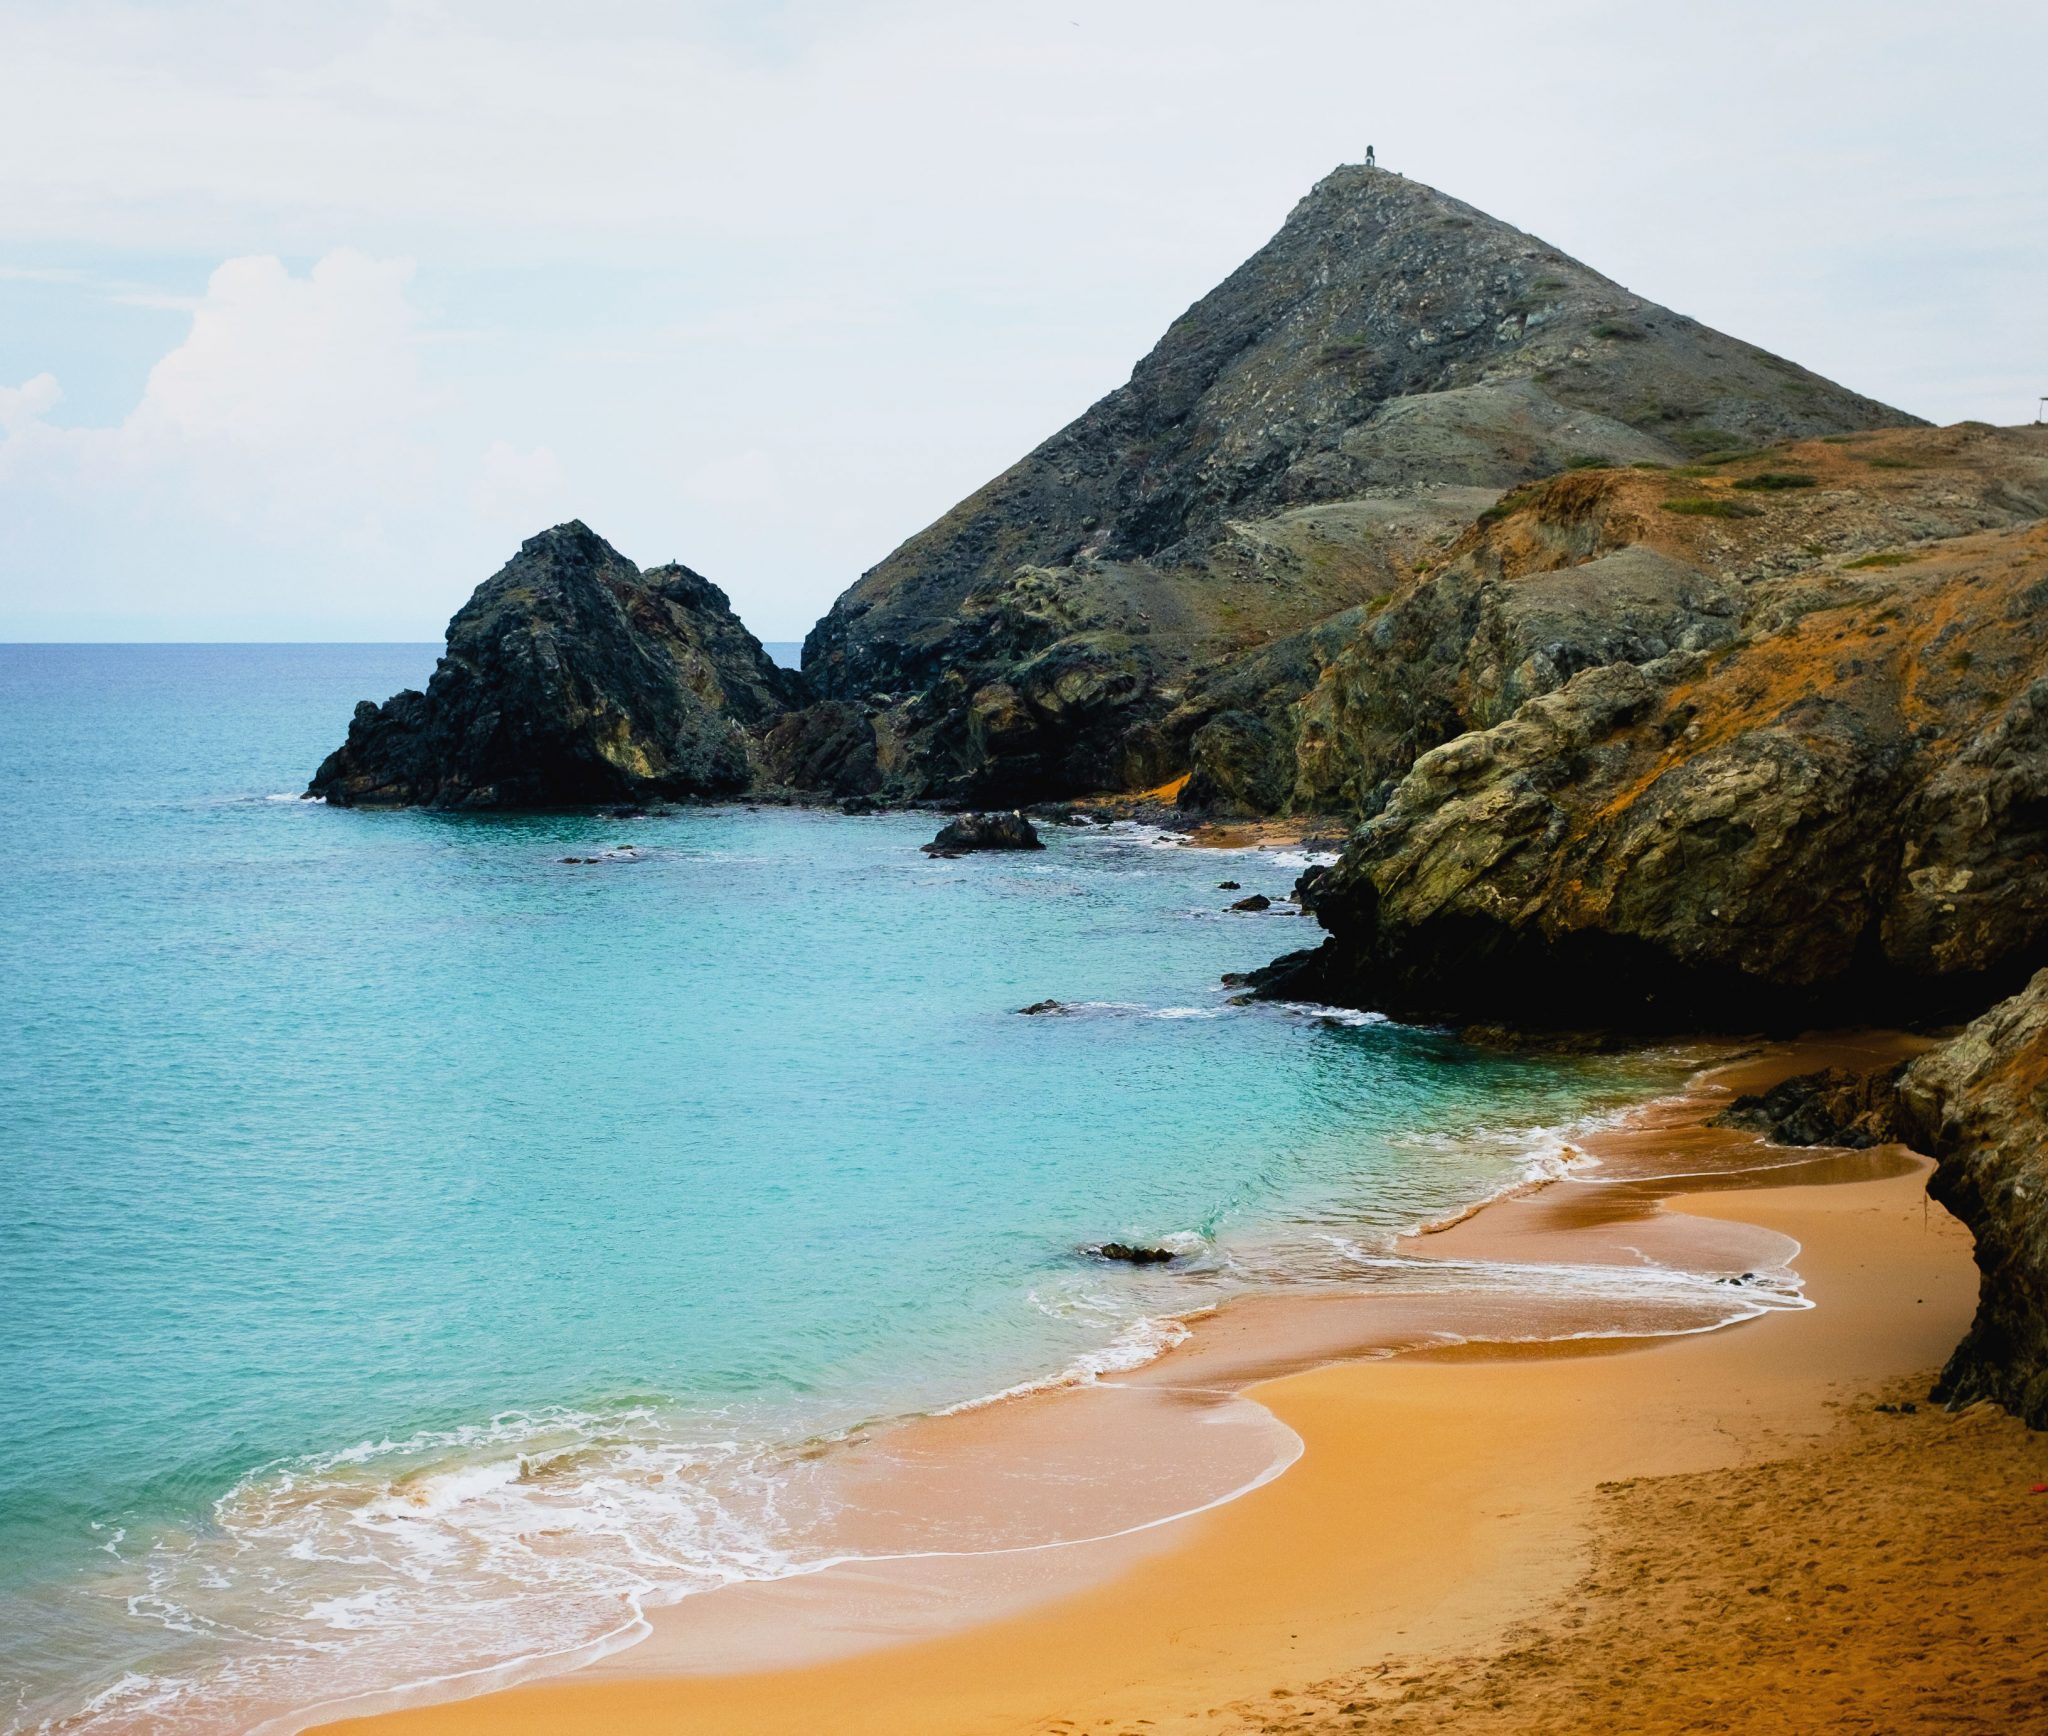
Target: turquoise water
[{"x": 382, "y": 1193}]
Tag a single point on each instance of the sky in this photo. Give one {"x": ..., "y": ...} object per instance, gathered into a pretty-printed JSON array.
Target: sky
[{"x": 310, "y": 314}]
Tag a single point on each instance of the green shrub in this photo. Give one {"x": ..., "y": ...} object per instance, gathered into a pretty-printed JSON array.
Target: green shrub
[
  {"x": 1351, "y": 349},
  {"x": 1512, "y": 501},
  {"x": 1883, "y": 463},
  {"x": 1701, "y": 441},
  {"x": 1620, "y": 332},
  {"x": 1711, "y": 506},
  {"x": 1775, "y": 479},
  {"x": 1590, "y": 461},
  {"x": 1890, "y": 558},
  {"x": 1648, "y": 464}
]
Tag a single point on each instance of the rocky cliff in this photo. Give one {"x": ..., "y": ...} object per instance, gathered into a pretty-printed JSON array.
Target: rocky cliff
[
  {"x": 1762, "y": 743},
  {"x": 1978, "y": 1103},
  {"x": 570, "y": 677},
  {"x": 1296, "y": 444}
]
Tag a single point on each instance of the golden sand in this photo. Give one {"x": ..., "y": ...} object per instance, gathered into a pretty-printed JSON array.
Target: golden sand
[{"x": 1444, "y": 1502}]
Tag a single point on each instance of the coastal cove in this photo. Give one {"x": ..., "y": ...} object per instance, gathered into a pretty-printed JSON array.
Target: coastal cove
[
  {"x": 418, "y": 1234},
  {"x": 1444, "y": 1496}
]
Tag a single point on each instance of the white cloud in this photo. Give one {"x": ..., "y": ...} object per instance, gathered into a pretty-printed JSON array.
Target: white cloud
[
  {"x": 292, "y": 399},
  {"x": 846, "y": 259},
  {"x": 291, "y": 431},
  {"x": 28, "y": 402}
]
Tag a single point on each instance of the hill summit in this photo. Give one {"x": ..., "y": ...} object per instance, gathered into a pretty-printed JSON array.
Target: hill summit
[{"x": 1363, "y": 385}]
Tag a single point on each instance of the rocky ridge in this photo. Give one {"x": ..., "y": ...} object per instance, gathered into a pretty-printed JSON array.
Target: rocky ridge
[
  {"x": 571, "y": 677},
  {"x": 1322, "y": 422}
]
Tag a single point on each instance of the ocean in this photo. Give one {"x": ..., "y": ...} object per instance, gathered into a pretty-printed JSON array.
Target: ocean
[{"x": 418, "y": 1250}]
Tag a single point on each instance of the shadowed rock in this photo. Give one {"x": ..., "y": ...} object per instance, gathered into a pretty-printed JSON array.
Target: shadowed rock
[
  {"x": 1978, "y": 1104},
  {"x": 570, "y": 677},
  {"x": 984, "y": 832}
]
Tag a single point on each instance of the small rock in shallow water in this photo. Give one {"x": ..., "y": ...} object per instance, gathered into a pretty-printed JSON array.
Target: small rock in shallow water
[
  {"x": 1043, "y": 1007},
  {"x": 1229, "y": 886},
  {"x": 984, "y": 832},
  {"x": 1257, "y": 901},
  {"x": 1131, "y": 1256}
]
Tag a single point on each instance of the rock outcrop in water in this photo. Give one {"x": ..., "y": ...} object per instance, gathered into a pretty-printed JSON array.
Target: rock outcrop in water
[
  {"x": 973, "y": 832},
  {"x": 1152, "y": 590},
  {"x": 571, "y": 677}
]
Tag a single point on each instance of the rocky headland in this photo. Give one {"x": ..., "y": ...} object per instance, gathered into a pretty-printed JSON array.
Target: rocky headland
[
  {"x": 571, "y": 677},
  {"x": 1152, "y": 590},
  {"x": 1661, "y": 685}
]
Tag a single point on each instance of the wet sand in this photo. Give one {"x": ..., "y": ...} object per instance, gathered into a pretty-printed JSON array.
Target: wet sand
[{"x": 1440, "y": 1497}]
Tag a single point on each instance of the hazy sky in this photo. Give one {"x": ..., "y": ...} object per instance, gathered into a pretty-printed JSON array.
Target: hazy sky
[{"x": 309, "y": 313}]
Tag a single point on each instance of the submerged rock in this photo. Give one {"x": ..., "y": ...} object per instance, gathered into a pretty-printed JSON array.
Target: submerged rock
[
  {"x": 984, "y": 832},
  {"x": 1037, "y": 1007},
  {"x": 571, "y": 677}
]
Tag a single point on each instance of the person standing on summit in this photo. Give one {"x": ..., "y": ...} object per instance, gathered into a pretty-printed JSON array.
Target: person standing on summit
[{"x": 1370, "y": 161}]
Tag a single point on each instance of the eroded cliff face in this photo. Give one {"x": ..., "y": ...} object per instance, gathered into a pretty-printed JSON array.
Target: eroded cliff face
[
  {"x": 1761, "y": 743},
  {"x": 1979, "y": 1103},
  {"x": 1828, "y": 798},
  {"x": 571, "y": 677},
  {"x": 1300, "y": 441}
]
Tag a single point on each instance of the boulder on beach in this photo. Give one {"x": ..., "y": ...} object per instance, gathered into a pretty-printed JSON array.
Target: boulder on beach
[{"x": 969, "y": 832}]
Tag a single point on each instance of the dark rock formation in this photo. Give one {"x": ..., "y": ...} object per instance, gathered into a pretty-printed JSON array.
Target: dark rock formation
[
  {"x": 1039, "y": 1007},
  {"x": 984, "y": 832},
  {"x": 828, "y": 748},
  {"x": 1257, "y": 901},
  {"x": 571, "y": 677},
  {"x": 1295, "y": 445},
  {"x": 1838, "y": 1106},
  {"x": 1131, "y": 1256}
]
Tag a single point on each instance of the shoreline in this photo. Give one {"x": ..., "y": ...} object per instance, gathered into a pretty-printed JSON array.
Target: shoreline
[{"x": 884, "y": 1616}]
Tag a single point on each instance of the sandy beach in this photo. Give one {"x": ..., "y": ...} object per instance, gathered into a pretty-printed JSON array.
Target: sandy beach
[{"x": 1485, "y": 1530}]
